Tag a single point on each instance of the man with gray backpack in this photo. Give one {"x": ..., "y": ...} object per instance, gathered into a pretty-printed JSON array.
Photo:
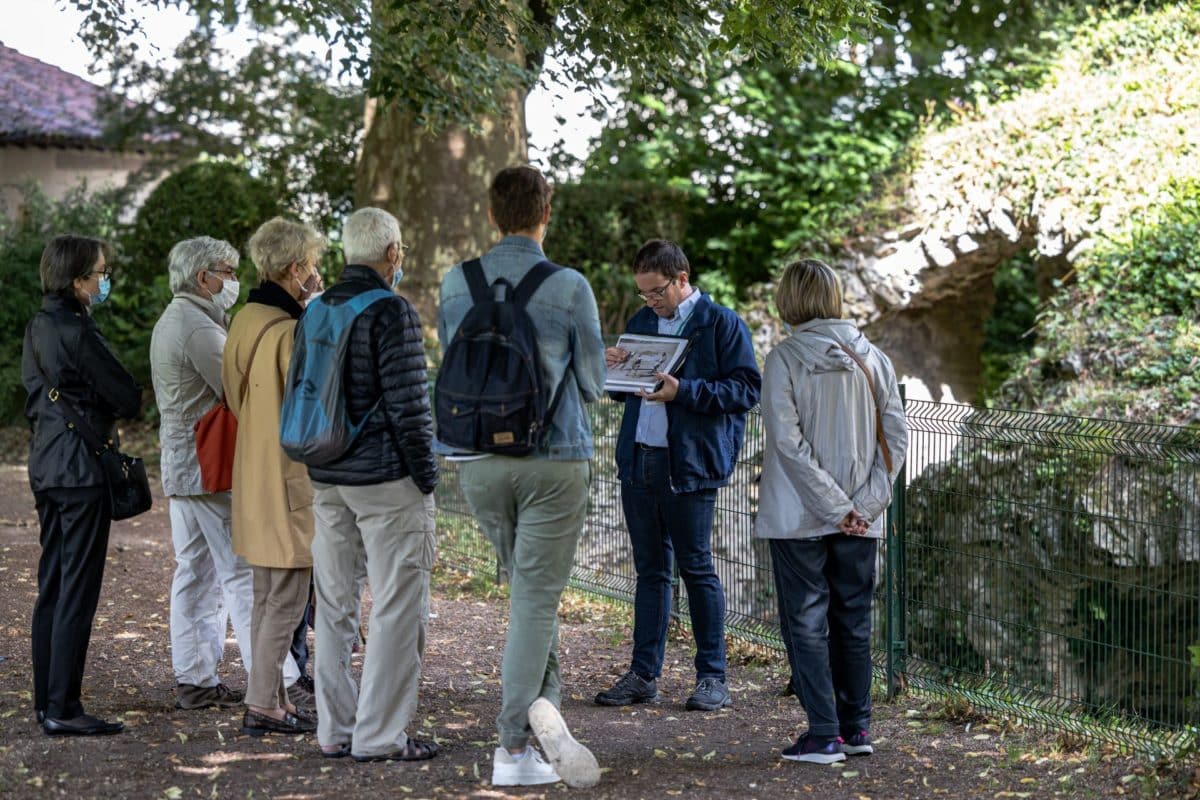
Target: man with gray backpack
[
  {"x": 356, "y": 412},
  {"x": 522, "y": 355}
]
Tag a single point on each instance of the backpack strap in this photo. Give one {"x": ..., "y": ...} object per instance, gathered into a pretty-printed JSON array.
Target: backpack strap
[
  {"x": 476, "y": 280},
  {"x": 521, "y": 296},
  {"x": 532, "y": 280}
]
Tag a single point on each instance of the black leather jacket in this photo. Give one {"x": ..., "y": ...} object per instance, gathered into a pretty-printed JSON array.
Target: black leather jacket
[
  {"x": 79, "y": 363},
  {"x": 386, "y": 358}
]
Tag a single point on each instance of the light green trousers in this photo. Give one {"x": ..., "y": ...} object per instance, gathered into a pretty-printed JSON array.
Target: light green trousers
[{"x": 532, "y": 510}]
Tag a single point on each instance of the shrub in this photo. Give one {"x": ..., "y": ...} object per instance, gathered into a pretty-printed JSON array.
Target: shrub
[
  {"x": 208, "y": 198},
  {"x": 597, "y": 228},
  {"x": 21, "y": 243}
]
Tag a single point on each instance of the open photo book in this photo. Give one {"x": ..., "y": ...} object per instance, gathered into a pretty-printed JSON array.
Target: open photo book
[{"x": 647, "y": 355}]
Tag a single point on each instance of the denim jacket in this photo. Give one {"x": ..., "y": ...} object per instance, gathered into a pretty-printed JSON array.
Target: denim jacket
[
  {"x": 564, "y": 312},
  {"x": 718, "y": 383}
]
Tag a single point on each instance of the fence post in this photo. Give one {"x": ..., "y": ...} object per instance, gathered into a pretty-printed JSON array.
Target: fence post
[{"x": 896, "y": 621}]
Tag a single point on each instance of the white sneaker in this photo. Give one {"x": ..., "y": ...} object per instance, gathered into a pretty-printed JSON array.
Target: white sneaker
[
  {"x": 524, "y": 770},
  {"x": 573, "y": 762}
]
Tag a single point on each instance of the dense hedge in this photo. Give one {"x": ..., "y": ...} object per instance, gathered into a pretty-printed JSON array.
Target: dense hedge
[
  {"x": 21, "y": 244},
  {"x": 207, "y": 198},
  {"x": 597, "y": 227}
]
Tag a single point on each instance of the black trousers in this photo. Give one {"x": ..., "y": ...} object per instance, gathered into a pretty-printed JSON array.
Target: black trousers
[{"x": 75, "y": 524}]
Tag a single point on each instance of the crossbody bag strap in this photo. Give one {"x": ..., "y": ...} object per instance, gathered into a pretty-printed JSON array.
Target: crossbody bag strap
[
  {"x": 253, "y": 350},
  {"x": 85, "y": 430},
  {"x": 883, "y": 445}
]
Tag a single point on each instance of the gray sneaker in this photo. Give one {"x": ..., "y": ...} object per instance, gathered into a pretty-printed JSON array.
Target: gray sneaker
[
  {"x": 710, "y": 695},
  {"x": 191, "y": 698},
  {"x": 629, "y": 689}
]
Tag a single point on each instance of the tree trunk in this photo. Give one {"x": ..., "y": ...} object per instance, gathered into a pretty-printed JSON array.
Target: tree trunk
[{"x": 436, "y": 185}]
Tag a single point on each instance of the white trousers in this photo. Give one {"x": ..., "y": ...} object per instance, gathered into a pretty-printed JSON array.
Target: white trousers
[{"x": 212, "y": 586}]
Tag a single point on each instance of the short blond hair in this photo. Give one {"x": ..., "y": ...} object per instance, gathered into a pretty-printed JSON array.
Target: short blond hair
[
  {"x": 279, "y": 243},
  {"x": 808, "y": 290}
]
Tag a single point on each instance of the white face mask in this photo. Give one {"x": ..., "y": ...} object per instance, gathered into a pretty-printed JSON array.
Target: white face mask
[{"x": 228, "y": 296}]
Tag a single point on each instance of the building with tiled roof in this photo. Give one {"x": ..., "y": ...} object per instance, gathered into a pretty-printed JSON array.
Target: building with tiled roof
[{"x": 52, "y": 132}]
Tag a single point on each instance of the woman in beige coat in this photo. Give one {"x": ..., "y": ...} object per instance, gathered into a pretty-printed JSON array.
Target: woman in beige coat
[{"x": 272, "y": 496}]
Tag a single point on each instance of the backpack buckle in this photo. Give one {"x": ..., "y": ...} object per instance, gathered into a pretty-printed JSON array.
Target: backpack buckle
[{"x": 53, "y": 395}]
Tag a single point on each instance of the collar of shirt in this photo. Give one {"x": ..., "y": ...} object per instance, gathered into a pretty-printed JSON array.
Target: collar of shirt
[{"x": 671, "y": 324}]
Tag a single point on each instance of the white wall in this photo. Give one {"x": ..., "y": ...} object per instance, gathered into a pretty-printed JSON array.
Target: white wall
[{"x": 58, "y": 170}]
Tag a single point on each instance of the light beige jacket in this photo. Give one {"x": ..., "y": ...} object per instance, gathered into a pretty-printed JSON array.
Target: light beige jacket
[
  {"x": 185, "y": 365},
  {"x": 822, "y": 459},
  {"x": 272, "y": 496}
]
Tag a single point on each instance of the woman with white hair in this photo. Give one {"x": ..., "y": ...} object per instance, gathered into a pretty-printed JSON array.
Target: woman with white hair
[
  {"x": 272, "y": 495},
  {"x": 211, "y": 583}
]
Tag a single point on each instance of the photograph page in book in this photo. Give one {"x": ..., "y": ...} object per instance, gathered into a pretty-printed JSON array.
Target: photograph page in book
[{"x": 647, "y": 356}]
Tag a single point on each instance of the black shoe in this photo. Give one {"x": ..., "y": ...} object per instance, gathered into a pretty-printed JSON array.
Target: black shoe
[
  {"x": 413, "y": 750},
  {"x": 256, "y": 724},
  {"x": 631, "y": 688},
  {"x": 83, "y": 725},
  {"x": 710, "y": 695},
  {"x": 341, "y": 751},
  {"x": 789, "y": 690},
  {"x": 41, "y": 715}
]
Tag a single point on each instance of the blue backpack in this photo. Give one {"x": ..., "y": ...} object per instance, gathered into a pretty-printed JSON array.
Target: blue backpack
[
  {"x": 314, "y": 428},
  {"x": 491, "y": 394}
]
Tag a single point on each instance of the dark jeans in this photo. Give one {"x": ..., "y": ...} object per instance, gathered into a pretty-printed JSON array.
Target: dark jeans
[
  {"x": 827, "y": 585},
  {"x": 75, "y": 524},
  {"x": 300, "y": 635},
  {"x": 665, "y": 526}
]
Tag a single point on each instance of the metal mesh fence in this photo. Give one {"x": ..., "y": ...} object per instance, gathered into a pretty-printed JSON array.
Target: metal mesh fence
[
  {"x": 1053, "y": 569},
  {"x": 1041, "y": 566}
]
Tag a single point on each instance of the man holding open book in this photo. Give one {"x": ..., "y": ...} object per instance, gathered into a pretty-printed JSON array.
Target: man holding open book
[{"x": 678, "y": 444}]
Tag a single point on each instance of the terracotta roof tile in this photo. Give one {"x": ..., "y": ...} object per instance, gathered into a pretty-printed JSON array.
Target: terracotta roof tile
[{"x": 40, "y": 103}]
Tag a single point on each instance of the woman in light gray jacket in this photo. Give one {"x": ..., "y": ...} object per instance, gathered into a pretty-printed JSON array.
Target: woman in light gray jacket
[{"x": 835, "y": 439}]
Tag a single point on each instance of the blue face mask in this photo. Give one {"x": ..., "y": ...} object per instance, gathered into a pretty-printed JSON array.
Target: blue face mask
[
  {"x": 105, "y": 286},
  {"x": 396, "y": 276}
]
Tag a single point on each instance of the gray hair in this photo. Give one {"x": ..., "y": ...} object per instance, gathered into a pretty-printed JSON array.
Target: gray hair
[
  {"x": 190, "y": 256},
  {"x": 367, "y": 234}
]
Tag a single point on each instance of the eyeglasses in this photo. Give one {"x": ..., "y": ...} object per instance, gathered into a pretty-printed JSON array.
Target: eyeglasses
[
  {"x": 403, "y": 250},
  {"x": 103, "y": 273},
  {"x": 221, "y": 269},
  {"x": 656, "y": 294}
]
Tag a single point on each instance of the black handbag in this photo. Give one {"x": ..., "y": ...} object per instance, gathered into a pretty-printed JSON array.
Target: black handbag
[{"x": 128, "y": 486}]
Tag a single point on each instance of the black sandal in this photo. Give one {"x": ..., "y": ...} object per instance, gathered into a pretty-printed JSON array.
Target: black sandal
[
  {"x": 342, "y": 751},
  {"x": 413, "y": 750}
]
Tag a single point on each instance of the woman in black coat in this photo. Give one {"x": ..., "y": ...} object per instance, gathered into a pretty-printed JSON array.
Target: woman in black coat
[{"x": 65, "y": 359}]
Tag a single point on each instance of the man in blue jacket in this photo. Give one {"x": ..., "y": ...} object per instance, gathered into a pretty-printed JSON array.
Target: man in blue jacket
[{"x": 676, "y": 447}]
